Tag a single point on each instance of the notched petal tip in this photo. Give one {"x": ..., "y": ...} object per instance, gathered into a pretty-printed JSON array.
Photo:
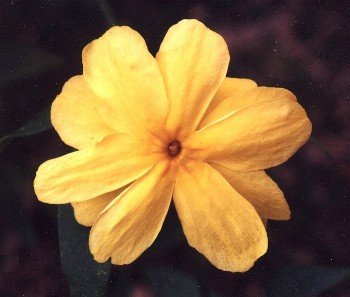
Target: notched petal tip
[
  {"x": 97, "y": 257},
  {"x": 189, "y": 23}
]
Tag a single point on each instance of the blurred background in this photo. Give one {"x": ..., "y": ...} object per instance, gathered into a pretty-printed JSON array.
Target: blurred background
[{"x": 299, "y": 45}]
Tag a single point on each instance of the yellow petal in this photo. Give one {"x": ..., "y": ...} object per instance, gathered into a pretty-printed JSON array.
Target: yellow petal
[
  {"x": 244, "y": 93},
  {"x": 112, "y": 163},
  {"x": 130, "y": 224},
  {"x": 74, "y": 115},
  {"x": 228, "y": 98},
  {"x": 260, "y": 190},
  {"x": 193, "y": 61},
  {"x": 86, "y": 212},
  {"x": 218, "y": 221},
  {"x": 260, "y": 136},
  {"x": 119, "y": 68}
]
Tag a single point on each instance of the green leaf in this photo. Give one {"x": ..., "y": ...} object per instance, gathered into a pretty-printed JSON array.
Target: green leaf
[
  {"x": 164, "y": 244},
  {"x": 304, "y": 281},
  {"x": 38, "y": 123},
  {"x": 19, "y": 61},
  {"x": 168, "y": 283},
  {"x": 13, "y": 174},
  {"x": 172, "y": 283},
  {"x": 86, "y": 277}
]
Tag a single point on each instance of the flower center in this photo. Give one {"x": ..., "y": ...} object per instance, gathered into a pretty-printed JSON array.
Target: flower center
[{"x": 174, "y": 148}]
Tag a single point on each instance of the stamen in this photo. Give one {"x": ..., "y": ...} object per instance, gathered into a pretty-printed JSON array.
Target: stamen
[{"x": 174, "y": 148}]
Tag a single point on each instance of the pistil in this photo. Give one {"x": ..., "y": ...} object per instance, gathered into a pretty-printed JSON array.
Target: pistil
[{"x": 174, "y": 148}]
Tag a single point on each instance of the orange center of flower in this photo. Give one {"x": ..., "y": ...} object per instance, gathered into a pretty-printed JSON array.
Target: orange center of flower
[{"x": 174, "y": 148}]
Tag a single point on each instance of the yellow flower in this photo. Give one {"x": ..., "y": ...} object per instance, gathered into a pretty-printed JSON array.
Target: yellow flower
[{"x": 148, "y": 129}]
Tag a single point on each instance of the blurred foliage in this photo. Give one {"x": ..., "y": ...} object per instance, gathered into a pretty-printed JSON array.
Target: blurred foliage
[
  {"x": 38, "y": 123},
  {"x": 11, "y": 206},
  {"x": 301, "y": 46},
  {"x": 171, "y": 283},
  {"x": 86, "y": 277},
  {"x": 304, "y": 281},
  {"x": 20, "y": 61}
]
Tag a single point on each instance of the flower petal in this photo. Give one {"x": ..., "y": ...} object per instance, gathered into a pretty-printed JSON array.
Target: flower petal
[
  {"x": 244, "y": 93},
  {"x": 112, "y": 163},
  {"x": 260, "y": 190},
  {"x": 193, "y": 61},
  {"x": 74, "y": 115},
  {"x": 86, "y": 212},
  {"x": 130, "y": 224},
  {"x": 260, "y": 136},
  {"x": 217, "y": 220},
  {"x": 119, "y": 68},
  {"x": 228, "y": 98}
]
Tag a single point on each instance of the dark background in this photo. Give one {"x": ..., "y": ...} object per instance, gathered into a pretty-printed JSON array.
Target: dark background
[{"x": 300, "y": 45}]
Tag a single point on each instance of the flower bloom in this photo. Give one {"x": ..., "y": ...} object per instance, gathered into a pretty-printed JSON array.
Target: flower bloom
[{"x": 149, "y": 129}]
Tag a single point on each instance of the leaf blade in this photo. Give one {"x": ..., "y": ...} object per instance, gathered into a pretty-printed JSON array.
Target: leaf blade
[
  {"x": 40, "y": 122},
  {"x": 86, "y": 277},
  {"x": 305, "y": 281}
]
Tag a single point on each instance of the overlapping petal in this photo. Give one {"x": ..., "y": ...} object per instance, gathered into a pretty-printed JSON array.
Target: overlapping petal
[
  {"x": 244, "y": 93},
  {"x": 260, "y": 190},
  {"x": 109, "y": 165},
  {"x": 86, "y": 212},
  {"x": 229, "y": 97},
  {"x": 119, "y": 68},
  {"x": 74, "y": 115},
  {"x": 217, "y": 220},
  {"x": 130, "y": 224},
  {"x": 123, "y": 112},
  {"x": 193, "y": 61},
  {"x": 260, "y": 136}
]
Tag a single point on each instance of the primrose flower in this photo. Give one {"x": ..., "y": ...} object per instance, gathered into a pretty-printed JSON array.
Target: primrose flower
[{"x": 149, "y": 130}]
